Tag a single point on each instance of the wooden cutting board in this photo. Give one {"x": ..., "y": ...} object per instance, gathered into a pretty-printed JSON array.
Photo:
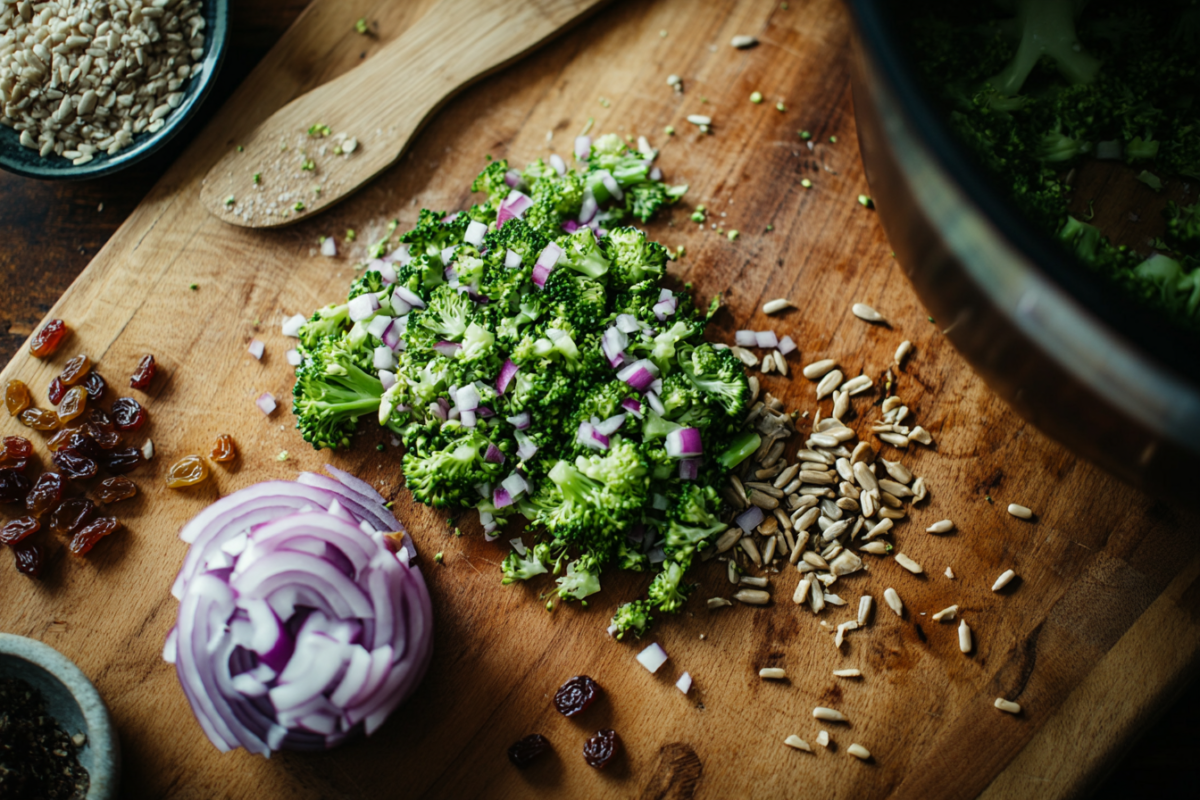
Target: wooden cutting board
[{"x": 1094, "y": 639}]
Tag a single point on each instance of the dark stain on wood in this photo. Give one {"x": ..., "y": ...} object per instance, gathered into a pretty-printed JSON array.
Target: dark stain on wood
[{"x": 676, "y": 775}]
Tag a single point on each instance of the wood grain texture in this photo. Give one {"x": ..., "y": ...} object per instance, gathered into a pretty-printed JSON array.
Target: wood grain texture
[{"x": 1103, "y": 569}]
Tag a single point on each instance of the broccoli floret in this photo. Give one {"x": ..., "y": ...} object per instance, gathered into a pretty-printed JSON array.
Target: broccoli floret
[
  {"x": 719, "y": 374},
  {"x": 331, "y": 392},
  {"x": 634, "y": 257},
  {"x": 667, "y": 592},
  {"x": 448, "y": 314},
  {"x": 665, "y": 343},
  {"x": 632, "y": 618},
  {"x": 630, "y": 559},
  {"x": 582, "y": 579},
  {"x": 575, "y": 298},
  {"x": 329, "y": 321},
  {"x": 691, "y": 518},
  {"x": 492, "y": 181},
  {"x": 370, "y": 281},
  {"x": 448, "y": 476},
  {"x": 1183, "y": 225},
  {"x": 1057, "y": 146},
  {"x": 518, "y": 568},
  {"x": 555, "y": 198},
  {"x": 582, "y": 253},
  {"x": 433, "y": 233},
  {"x": 1177, "y": 288},
  {"x": 1045, "y": 28}
]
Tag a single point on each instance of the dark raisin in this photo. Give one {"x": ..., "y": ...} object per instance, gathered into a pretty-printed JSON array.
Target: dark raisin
[
  {"x": 71, "y": 513},
  {"x": 601, "y": 748},
  {"x": 15, "y": 464},
  {"x": 95, "y": 385},
  {"x": 576, "y": 695},
  {"x": 56, "y": 391},
  {"x": 119, "y": 462},
  {"x": 128, "y": 414},
  {"x": 87, "y": 536},
  {"x": 17, "y": 447},
  {"x": 30, "y": 558},
  {"x": 74, "y": 465},
  {"x": 144, "y": 373},
  {"x": 114, "y": 490},
  {"x": 75, "y": 370},
  {"x": 46, "y": 341},
  {"x": 14, "y": 485},
  {"x": 528, "y": 750},
  {"x": 83, "y": 444},
  {"x": 18, "y": 529},
  {"x": 100, "y": 418},
  {"x": 45, "y": 494}
]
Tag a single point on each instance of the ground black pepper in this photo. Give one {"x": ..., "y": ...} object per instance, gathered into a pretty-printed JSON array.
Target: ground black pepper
[{"x": 37, "y": 757}]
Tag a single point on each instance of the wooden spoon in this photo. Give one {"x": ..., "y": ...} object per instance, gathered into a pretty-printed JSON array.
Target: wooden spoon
[{"x": 324, "y": 145}]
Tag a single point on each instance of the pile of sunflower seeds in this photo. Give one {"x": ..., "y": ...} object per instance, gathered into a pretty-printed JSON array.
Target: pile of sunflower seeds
[{"x": 83, "y": 77}]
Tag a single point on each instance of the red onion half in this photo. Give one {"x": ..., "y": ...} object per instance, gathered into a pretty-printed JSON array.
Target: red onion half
[{"x": 300, "y": 621}]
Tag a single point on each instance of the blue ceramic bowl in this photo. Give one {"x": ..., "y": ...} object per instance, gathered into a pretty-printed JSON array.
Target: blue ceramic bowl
[{"x": 23, "y": 161}]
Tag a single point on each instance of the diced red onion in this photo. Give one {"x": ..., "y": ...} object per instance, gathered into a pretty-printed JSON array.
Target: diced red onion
[
  {"x": 387, "y": 272},
  {"x": 447, "y": 254},
  {"x": 256, "y": 349},
  {"x": 400, "y": 255},
  {"x": 378, "y": 325},
  {"x": 656, "y": 386},
  {"x": 485, "y": 491},
  {"x": 363, "y": 306},
  {"x": 446, "y": 220},
  {"x": 655, "y": 403},
  {"x": 583, "y": 147},
  {"x": 786, "y": 345},
  {"x": 689, "y": 469},
  {"x": 292, "y": 325},
  {"x": 409, "y": 296},
  {"x": 627, "y": 323},
  {"x": 559, "y": 165},
  {"x": 448, "y": 349},
  {"x": 639, "y": 375},
  {"x": 513, "y": 178},
  {"x": 440, "y": 408},
  {"x": 613, "y": 344},
  {"x": 609, "y": 426},
  {"x": 656, "y": 174},
  {"x": 391, "y": 336},
  {"x": 512, "y": 259},
  {"x": 549, "y": 256},
  {"x": 684, "y": 684},
  {"x": 501, "y": 498},
  {"x": 475, "y": 232},
  {"x": 570, "y": 226},
  {"x": 610, "y": 183},
  {"x": 539, "y": 275},
  {"x": 588, "y": 436},
  {"x": 513, "y": 207},
  {"x": 684, "y": 443},
  {"x": 507, "y": 372},
  {"x": 266, "y": 403},
  {"x": 658, "y": 502},
  {"x": 588, "y": 207},
  {"x": 526, "y": 449},
  {"x": 665, "y": 294},
  {"x": 323, "y": 644},
  {"x": 520, "y": 421},
  {"x": 467, "y": 418},
  {"x": 387, "y": 378},
  {"x": 384, "y": 358},
  {"x": 652, "y": 657},
  {"x": 515, "y": 484},
  {"x": 663, "y": 309},
  {"x": 489, "y": 532},
  {"x": 467, "y": 398},
  {"x": 485, "y": 413},
  {"x": 745, "y": 339},
  {"x": 632, "y": 406},
  {"x": 493, "y": 455},
  {"x": 293, "y": 357},
  {"x": 329, "y": 247},
  {"x": 750, "y": 519},
  {"x": 611, "y": 629},
  {"x": 766, "y": 339}
]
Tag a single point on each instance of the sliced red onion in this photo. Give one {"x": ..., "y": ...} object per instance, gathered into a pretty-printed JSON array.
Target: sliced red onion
[
  {"x": 632, "y": 406},
  {"x": 292, "y": 325},
  {"x": 493, "y": 455},
  {"x": 387, "y": 378},
  {"x": 656, "y": 174},
  {"x": 391, "y": 336},
  {"x": 467, "y": 398},
  {"x": 489, "y": 532},
  {"x": 384, "y": 358},
  {"x": 766, "y": 339},
  {"x": 750, "y": 519},
  {"x": 401, "y": 255},
  {"x": 408, "y": 296},
  {"x": 613, "y": 345},
  {"x": 627, "y": 323},
  {"x": 609, "y": 426},
  {"x": 684, "y": 443},
  {"x": 558, "y": 164},
  {"x": 786, "y": 345},
  {"x": 501, "y": 498},
  {"x": 539, "y": 275},
  {"x": 588, "y": 208},
  {"x": 656, "y": 386},
  {"x": 485, "y": 413},
  {"x": 655, "y": 404},
  {"x": 387, "y": 272},
  {"x": 512, "y": 259},
  {"x": 515, "y": 484},
  {"x": 652, "y": 657},
  {"x": 583, "y": 147},
  {"x": 266, "y": 403},
  {"x": 378, "y": 325},
  {"x": 256, "y": 349},
  {"x": 293, "y": 357},
  {"x": 484, "y": 489},
  {"x": 363, "y": 307},
  {"x": 467, "y": 418},
  {"x": 689, "y": 469},
  {"x": 475, "y": 232},
  {"x": 588, "y": 436},
  {"x": 665, "y": 294},
  {"x": 745, "y": 339},
  {"x": 513, "y": 178},
  {"x": 663, "y": 309},
  {"x": 639, "y": 375},
  {"x": 513, "y": 207},
  {"x": 520, "y": 421},
  {"x": 507, "y": 372},
  {"x": 329, "y": 247},
  {"x": 610, "y": 183},
  {"x": 684, "y": 684},
  {"x": 448, "y": 349},
  {"x": 549, "y": 257},
  {"x": 526, "y": 448},
  {"x": 441, "y": 408}
]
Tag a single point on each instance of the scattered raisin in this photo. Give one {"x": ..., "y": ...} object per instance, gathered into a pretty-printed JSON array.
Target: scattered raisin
[
  {"x": 71, "y": 513},
  {"x": 14, "y": 485},
  {"x": 601, "y": 748},
  {"x": 100, "y": 418},
  {"x": 40, "y": 420},
  {"x": 187, "y": 471},
  {"x": 45, "y": 342},
  {"x": 106, "y": 439},
  {"x": 29, "y": 558},
  {"x": 45, "y": 494},
  {"x": 82, "y": 444},
  {"x": 114, "y": 490},
  {"x": 74, "y": 465},
  {"x": 528, "y": 750},
  {"x": 224, "y": 449},
  {"x": 87, "y": 536},
  {"x": 95, "y": 385},
  {"x": 118, "y": 462},
  {"x": 144, "y": 373},
  {"x": 18, "y": 529},
  {"x": 17, "y": 447},
  {"x": 56, "y": 391},
  {"x": 59, "y": 440},
  {"x": 75, "y": 370},
  {"x": 576, "y": 695},
  {"x": 73, "y": 404},
  {"x": 16, "y": 397},
  {"x": 128, "y": 414}
]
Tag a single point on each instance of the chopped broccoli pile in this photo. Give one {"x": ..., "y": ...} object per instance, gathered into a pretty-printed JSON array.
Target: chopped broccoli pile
[
  {"x": 533, "y": 365},
  {"x": 1033, "y": 87}
]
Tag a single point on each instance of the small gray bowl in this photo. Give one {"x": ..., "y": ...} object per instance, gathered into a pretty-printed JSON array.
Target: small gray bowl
[
  {"x": 23, "y": 161},
  {"x": 73, "y": 701}
]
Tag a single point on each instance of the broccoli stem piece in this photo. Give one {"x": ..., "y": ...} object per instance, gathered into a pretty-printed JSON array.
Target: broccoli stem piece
[
  {"x": 1046, "y": 28},
  {"x": 739, "y": 450}
]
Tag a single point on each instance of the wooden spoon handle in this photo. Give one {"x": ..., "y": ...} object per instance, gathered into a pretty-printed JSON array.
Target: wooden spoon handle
[{"x": 284, "y": 173}]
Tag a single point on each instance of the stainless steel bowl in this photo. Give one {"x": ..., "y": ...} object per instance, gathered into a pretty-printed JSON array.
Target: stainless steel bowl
[{"x": 1089, "y": 368}]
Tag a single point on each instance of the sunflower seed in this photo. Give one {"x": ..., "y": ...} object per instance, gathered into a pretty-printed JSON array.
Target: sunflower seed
[
  {"x": 864, "y": 608},
  {"x": 815, "y": 560},
  {"x": 899, "y": 472},
  {"x": 834, "y": 600},
  {"x": 1007, "y": 705},
  {"x": 731, "y": 571},
  {"x": 857, "y": 385},
  {"x": 909, "y": 564},
  {"x": 785, "y": 522},
  {"x": 768, "y": 363},
  {"x": 866, "y": 479},
  {"x": 774, "y": 306},
  {"x": 763, "y": 500},
  {"x": 813, "y": 477},
  {"x": 859, "y": 752},
  {"x": 765, "y": 488},
  {"x": 848, "y": 504},
  {"x": 717, "y": 602},
  {"x": 773, "y": 454},
  {"x": 830, "y": 509},
  {"x": 751, "y": 549},
  {"x": 750, "y": 580},
  {"x": 769, "y": 472},
  {"x": 835, "y": 530},
  {"x": 891, "y": 403},
  {"x": 892, "y": 513},
  {"x": 847, "y": 673},
  {"x": 752, "y": 597},
  {"x": 830, "y": 382},
  {"x": 964, "y": 637},
  {"x": 699, "y": 119},
  {"x": 747, "y": 358},
  {"x": 893, "y": 600},
  {"x": 875, "y": 548},
  {"x": 768, "y": 554},
  {"x": 845, "y": 563},
  {"x": 894, "y": 439},
  {"x": 894, "y": 488},
  {"x": 754, "y": 388},
  {"x": 728, "y": 539},
  {"x": 823, "y": 738},
  {"x": 805, "y": 520},
  {"x": 1020, "y": 511},
  {"x": 919, "y": 434},
  {"x": 796, "y": 742},
  {"x": 949, "y": 612},
  {"x": 742, "y": 42},
  {"x": 949, "y": 573},
  {"x": 814, "y": 456},
  {"x": 942, "y": 526},
  {"x": 890, "y": 500},
  {"x": 816, "y": 600},
  {"x": 865, "y": 312},
  {"x": 828, "y": 714},
  {"x": 1003, "y": 580},
  {"x": 902, "y": 352},
  {"x": 920, "y": 491},
  {"x": 841, "y": 404},
  {"x": 785, "y": 477},
  {"x": 867, "y": 500},
  {"x": 818, "y": 368},
  {"x": 862, "y": 452},
  {"x": 781, "y": 363},
  {"x": 772, "y": 673},
  {"x": 801, "y": 593}
]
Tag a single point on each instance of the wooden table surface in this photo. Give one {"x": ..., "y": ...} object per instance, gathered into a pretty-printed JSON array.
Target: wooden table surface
[{"x": 52, "y": 231}]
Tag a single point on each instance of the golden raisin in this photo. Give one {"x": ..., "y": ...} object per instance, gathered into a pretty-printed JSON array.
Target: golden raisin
[
  {"x": 114, "y": 490},
  {"x": 75, "y": 370},
  {"x": 40, "y": 420},
  {"x": 224, "y": 449},
  {"x": 16, "y": 397},
  {"x": 187, "y": 471},
  {"x": 73, "y": 404}
]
